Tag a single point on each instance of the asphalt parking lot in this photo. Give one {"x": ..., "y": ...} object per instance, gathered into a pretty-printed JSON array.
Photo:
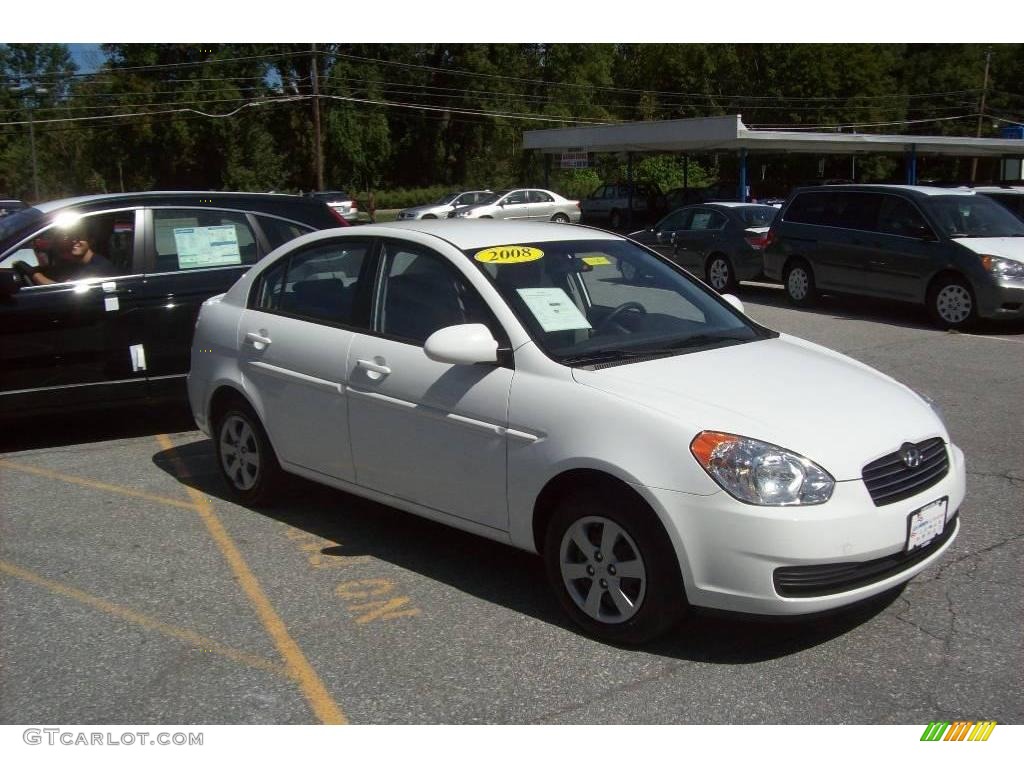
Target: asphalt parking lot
[{"x": 133, "y": 591}]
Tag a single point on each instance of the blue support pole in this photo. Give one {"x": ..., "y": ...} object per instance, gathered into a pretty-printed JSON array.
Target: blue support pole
[
  {"x": 912, "y": 165},
  {"x": 742, "y": 197}
]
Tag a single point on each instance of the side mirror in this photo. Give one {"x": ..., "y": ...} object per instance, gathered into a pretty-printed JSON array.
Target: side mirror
[
  {"x": 9, "y": 283},
  {"x": 736, "y": 303},
  {"x": 462, "y": 345}
]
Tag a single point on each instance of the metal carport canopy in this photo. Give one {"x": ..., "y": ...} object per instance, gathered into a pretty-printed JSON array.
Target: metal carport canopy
[{"x": 729, "y": 132}]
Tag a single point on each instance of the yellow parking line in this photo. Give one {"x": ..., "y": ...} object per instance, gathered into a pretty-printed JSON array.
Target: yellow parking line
[
  {"x": 147, "y": 622},
  {"x": 96, "y": 484},
  {"x": 298, "y": 666}
]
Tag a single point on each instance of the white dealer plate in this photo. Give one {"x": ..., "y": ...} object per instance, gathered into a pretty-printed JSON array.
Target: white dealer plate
[{"x": 926, "y": 523}]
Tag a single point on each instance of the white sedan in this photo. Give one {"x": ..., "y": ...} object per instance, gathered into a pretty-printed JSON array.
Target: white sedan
[{"x": 503, "y": 379}]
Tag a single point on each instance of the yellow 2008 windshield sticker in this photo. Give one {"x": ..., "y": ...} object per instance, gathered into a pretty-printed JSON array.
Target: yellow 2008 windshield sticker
[
  {"x": 509, "y": 254},
  {"x": 596, "y": 261}
]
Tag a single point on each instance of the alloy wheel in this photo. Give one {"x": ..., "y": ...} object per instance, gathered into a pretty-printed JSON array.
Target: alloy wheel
[
  {"x": 718, "y": 274},
  {"x": 239, "y": 452},
  {"x": 602, "y": 570}
]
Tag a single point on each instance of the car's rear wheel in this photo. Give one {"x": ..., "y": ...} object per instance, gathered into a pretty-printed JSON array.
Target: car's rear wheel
[
  {"x": 560, "y": 218},
  {"x": 951, "y": 303},
  {"x": 429, "y": 216},
  {"x": 245, "y": 456},
  {"x": 799, "y": 283},
  {"x": 720, "y": 275},
  {"x": 613, "y": 568}
]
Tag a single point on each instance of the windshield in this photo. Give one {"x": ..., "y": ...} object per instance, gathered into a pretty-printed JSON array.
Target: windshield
[
  {"x": 446, "y": 199},
  {"x": 19, "y": 220},
  {"x": 757, "y": 215},
  {"x": 973, "y": 216},
  {"x": 575, "y": 300}
]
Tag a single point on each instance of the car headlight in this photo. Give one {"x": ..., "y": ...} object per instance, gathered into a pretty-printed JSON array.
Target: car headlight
[
  {"x": 761, "y": 473},
  {"x": 1003, "y": 267}
]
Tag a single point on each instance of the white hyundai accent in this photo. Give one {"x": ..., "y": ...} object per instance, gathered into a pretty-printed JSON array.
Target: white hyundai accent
[{"x": 656, "y": 446}]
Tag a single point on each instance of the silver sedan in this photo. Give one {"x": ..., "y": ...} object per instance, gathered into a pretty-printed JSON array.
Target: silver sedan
[
  {"x": 444, "y": 205},
  {"x": 524, "y": 205}
]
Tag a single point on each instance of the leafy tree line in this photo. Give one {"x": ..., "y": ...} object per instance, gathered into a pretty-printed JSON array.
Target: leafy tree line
[{"x": 451, "y": 115}]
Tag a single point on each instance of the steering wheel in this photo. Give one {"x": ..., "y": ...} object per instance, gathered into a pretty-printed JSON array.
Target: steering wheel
[
  {"x": 624, "y": 307},
  {"x": 24, "y": 273}
]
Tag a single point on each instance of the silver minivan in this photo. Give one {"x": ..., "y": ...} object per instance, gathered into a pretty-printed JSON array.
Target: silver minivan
[{"x": 957, "y": 252}]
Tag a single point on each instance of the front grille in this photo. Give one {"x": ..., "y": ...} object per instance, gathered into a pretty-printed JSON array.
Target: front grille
[
  {"x": 889, "y": 479},
  {"x": 833, "y": 578}
]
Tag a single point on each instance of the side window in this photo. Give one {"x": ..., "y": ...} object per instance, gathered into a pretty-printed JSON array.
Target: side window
[
  {"x": 536, "y": 196},
  {"x": 188, "y": 238},
  {"x": 516, "y": 198},
  {"x": 279, "y": 231},
  {"x": 316, "y": 284},
  {"x": 423, "y": 293},
  {"x": 675, "y": 221},
  {"x": 611, "y": 192},
  {"x": 897, "y": 216},
  {"x": 808, "y": 208},
  {"x": 855, "y": 210},
  {"x": 97, "y": 245}
]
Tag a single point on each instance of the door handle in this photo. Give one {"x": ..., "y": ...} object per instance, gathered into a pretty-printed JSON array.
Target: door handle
[
  {"x": 375, "y": 371},
  {"x": 259, "y": 340}
]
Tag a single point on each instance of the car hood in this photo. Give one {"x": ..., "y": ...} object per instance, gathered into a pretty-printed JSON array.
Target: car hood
[
  {"x": 827, "y": 407},
  {"x": 1004, "y": 247}
]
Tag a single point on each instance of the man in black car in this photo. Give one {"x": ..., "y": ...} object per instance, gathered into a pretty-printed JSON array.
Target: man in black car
[{"x": 80, "y": 261}]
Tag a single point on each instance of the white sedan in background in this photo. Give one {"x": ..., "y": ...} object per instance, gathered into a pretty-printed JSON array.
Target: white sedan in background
[
  {"x": 522, "y": 205},
  {"x": 503, "y": 379}
]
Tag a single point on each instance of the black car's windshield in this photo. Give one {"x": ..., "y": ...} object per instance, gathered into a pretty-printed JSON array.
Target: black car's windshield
[
  {"x": 573, "y": 299},
  {"x": 18, "y": 221},
  {"x": 973, "y": 216},
  {"x": 757, "y": 215}
]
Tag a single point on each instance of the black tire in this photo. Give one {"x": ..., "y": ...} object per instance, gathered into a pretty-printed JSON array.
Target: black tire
[
  {"x": 951, "y": 303},
  {"x": 653, "y": 603},
  {"x": 615, "y": 220},
  {"x": 720, "y": 275},
  {"x": 486, "y": 217},
  {"x": 560, "y": 218},
  {"x": 239, "y": 428},
  {"x": 798, "y": 280},
  {"x": 429, "y": 216}
]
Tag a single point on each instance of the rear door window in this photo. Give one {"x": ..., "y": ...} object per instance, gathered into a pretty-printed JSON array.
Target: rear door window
[
  {"x": 278, "y": 231},
  {"x": 897, "y": 216},
  {"x": 188, "y": 239}
]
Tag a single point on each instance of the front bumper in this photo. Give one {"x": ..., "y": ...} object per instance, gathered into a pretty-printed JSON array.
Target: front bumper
[
  {"x": 1003, "y": 300},
  {"x": 731, "y": 553}
]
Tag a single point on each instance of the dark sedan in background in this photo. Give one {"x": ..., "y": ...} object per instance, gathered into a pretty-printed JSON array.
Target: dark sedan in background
[
  {"x": 721, "y": 243},
  {"x": 126, "y": 335}
]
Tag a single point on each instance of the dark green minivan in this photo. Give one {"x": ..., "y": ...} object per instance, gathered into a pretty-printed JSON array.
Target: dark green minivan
[{"x": 957, "y": 252}]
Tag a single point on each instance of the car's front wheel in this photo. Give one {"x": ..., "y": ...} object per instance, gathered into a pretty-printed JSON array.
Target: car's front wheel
[
  {"x": 613, "y": 569},
  {"x": 560, "y": 218},
  {"x": 720, "y": 275},
  {"x": 245, "y": 456},
  {"x": 951, "y": 303}
]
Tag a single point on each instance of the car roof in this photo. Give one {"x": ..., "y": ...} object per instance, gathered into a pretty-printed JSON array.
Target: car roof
[
  {"x": 69, "y": 202},
  {"x": 920, "y": 190},
  {"x": 1007, "y": 190},
  {"x": 728, "y": 204},
  {"x": 469, "y": 234}
]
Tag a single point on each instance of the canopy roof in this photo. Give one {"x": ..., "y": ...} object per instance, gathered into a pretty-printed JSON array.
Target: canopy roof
[{"x": 717, "y": 133}]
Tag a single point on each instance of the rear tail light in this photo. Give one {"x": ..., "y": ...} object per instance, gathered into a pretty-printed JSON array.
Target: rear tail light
[
  {"x": 770, "y": 239},
  {"x": 758, "y": 242},
  {"x": 338, "y": 216},
  {"x": 354, "y": 207},
  {"x": 578, "y": 207}
]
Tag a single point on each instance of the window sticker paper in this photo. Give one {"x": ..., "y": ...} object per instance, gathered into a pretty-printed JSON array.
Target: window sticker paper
[
  {"x": 215, "y": 246},
  {"x": 553, "y": 309}
]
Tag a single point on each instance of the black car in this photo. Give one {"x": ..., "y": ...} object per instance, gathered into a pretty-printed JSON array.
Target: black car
[
  {"x": 9, "y": 206},
  {"x": 120, "y": 328}
]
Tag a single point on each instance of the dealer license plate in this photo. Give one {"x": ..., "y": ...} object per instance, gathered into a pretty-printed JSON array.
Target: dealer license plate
[{"x": 926, "y": 523}]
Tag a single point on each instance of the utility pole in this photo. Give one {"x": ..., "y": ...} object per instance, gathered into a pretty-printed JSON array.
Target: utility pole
[
  {"x": 981, "y": 110},
  {"x": 318, "y": 150},
  {"x": 29, "y": 93}
]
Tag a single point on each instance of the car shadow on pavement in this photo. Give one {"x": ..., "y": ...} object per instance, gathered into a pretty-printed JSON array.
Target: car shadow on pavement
[
  {"x": 60, "y": 429},
  {"x": 512, "y": 578},
  {"x": 841, "y": 306}
]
